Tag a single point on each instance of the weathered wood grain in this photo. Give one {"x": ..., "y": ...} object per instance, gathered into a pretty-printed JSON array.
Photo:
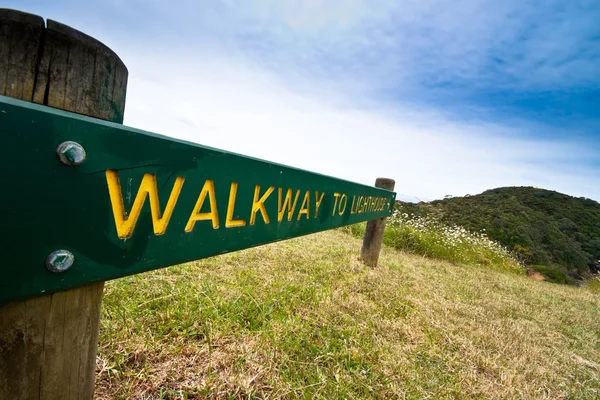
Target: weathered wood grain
[
  {"x": 78, "y": 73},
  {"x": 20, "y": 39},
  {"x": 373, "y": 238},
  {"x": 48, "y": 344}
]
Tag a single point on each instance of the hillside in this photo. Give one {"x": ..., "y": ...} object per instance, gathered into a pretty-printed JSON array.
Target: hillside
[
  {"x": 543, "y": 227},
  {"x": 304, "y": 319}
]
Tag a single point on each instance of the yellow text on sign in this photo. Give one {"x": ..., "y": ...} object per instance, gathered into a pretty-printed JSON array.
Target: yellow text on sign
[{"x": 295, "y": 205}]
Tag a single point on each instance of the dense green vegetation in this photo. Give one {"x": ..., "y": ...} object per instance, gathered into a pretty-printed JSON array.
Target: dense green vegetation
[
  {"x": 544, "y": 228},
  {"x": 431, "y": 239}
]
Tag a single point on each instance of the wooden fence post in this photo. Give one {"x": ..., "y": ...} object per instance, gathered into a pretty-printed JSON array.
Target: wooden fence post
[
  {"x": 374, "y": 233},
  {"x": 48, "y": 344}
]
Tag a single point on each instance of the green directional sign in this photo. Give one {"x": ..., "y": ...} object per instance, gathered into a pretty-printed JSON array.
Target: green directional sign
[{"x": 85, "y": 200}]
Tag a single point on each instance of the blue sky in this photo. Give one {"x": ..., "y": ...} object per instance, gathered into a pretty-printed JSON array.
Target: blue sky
[{"x": 446, "y": 97}]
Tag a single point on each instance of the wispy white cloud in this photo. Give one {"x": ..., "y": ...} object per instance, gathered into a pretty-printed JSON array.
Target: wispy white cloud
[
  {"x": 386, "y": 44},
  {"x": 508, "y": 43},
  {"x": 235, "y": 107},
  {"x": 447, "y": 97}
]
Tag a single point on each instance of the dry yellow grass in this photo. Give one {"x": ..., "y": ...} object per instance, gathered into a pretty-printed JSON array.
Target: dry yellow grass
[{"x": 305, "y": 319}]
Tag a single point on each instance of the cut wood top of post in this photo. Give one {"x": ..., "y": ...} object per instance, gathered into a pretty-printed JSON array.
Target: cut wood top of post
[
  {"x": 9, "y": 14},
  {"x": 85, "y": 40},
  {"x": 61, "y": 67},
  {"x": 385, "y": 183}
]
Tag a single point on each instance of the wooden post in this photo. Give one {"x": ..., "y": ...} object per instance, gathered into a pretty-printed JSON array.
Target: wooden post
[
  {"x": 374, "y": 233},
  {"x": 48, "y": 344}
]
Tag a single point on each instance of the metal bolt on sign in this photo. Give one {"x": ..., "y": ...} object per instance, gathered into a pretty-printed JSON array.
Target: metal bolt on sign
[
  {"x": 71, "y": 153},
  {"x": 59, "y": 261}
]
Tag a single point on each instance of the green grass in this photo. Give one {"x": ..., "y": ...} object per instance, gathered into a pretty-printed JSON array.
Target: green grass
[
  {"x": 593, "y": 285},
  {"x": 455, "y": 244},
  {"x": 306, "y": 319}
]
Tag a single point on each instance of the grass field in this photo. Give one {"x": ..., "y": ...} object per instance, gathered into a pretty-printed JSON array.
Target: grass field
[{"x": 305, "y": 319}]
